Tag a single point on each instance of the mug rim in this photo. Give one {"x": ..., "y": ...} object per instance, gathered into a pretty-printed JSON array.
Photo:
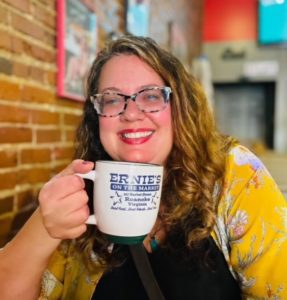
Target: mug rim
[{"x": 130, "y": 163}]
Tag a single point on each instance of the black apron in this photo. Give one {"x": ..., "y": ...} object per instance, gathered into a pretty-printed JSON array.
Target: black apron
[{"x": 177, "y": 280}]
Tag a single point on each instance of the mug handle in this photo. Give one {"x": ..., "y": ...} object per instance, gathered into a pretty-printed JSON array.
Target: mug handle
[{"x": 91, "y": 176}]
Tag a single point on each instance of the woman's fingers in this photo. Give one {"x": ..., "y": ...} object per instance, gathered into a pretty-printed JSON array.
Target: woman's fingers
[
  {"x": 66, "y": 215},
  {"x": 63, "y": 202},
  {"x": 60, "y": 187}
]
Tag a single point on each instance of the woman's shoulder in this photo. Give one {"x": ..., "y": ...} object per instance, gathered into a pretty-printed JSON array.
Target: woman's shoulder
[
  {"x": 247, "y": 187},
  {"x": 243, "y": 166},
  {"x": 240, "y": 157},
  {"x": 251, "y": 224}
]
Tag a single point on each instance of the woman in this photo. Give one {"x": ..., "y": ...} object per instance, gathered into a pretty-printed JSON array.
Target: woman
[{"x": 221, "y": 231}]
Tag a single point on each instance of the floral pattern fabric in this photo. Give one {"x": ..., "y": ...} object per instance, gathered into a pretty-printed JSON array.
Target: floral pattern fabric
[{"x": 251, "y": 231}]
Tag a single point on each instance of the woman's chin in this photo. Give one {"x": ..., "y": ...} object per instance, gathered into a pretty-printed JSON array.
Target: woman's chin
[
  {"x": 143, "y": 160},
  {"x": 140, "y": 157},
  {"x": 136, "y": 159}
]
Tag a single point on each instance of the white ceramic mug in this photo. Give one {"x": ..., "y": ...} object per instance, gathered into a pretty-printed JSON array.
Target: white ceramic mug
[{"x": 126, "y": 199}]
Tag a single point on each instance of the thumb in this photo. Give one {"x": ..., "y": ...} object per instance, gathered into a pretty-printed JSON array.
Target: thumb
[{"x": 77, "y": 166}]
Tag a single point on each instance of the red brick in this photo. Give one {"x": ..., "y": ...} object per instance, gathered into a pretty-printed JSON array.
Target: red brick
[
  {"x": 6, "y": 205},
  {"x": 70, "y": 135},
  {"x": 72, "y": 120},
  {"x": 51, "y": 77},
  {"x": 8, "y": 158},
  {"x": 48, "y": 135},
  {"x": 6, "y": 66},
  {"x": 50, "y": 39},
  {"x": 8, "y": 180},
  {"x": 15, "y": 135},
  {"x": 35, "y": 155},
  {"x": 42, "y": 54},
  {"x": 36, "y": 94},
  {"x": 28, "y": 27},
  {"x": 45, "y": 117},
  {"x": 69, "y": 103},
  {"x": 17, "y": 45},
  {"x": 39, "y": 175},
  {"x": 44, "y": 15},
  {"x": 33, "y": 176},
  {"x": 49, "y": 3},
  {"x": 13, "y": 114},
  {"x": 9, "y": 90},
  {"x": 37, "y": 74},
  {"x": 5, "y": 41},
  {"x": 21, "y": 46},
  {"x": 3, "y": 16},
  {"x": 20, "y": 69},
  {"x": 63, "y": 152},
  {"x": 22, "y": 5}
]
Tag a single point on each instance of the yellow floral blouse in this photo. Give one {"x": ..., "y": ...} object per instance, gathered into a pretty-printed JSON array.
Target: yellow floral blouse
[{"x": 251, "y": 231}]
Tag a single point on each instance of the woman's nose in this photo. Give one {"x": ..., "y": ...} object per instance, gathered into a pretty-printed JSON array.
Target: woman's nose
[{"x": 132, "y": 112}]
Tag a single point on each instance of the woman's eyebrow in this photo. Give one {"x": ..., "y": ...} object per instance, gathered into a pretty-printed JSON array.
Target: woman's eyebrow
[
  {"x": 117, "y": 90},
  {"x": 111, "y": 88}
]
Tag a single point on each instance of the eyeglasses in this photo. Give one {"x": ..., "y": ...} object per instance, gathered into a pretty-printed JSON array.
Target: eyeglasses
[{"x": 151, "y": 99}]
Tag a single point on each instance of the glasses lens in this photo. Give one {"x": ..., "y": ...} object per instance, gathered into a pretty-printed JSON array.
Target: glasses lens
[
  {"x": 152, "y": 100},
  {"x": 110, "y": 104}
]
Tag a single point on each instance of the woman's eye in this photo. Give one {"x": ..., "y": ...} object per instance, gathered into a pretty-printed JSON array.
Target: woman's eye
[
  {"x": 151, "y": 97},
  {"x": 111, "y": 101}
]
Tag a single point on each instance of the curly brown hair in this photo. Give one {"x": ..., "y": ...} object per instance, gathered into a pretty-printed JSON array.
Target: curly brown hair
[{"x": 196, "y": 164}]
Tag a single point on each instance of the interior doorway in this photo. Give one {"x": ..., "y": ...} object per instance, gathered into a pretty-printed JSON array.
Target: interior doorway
[{"x": 246, "y": 111}]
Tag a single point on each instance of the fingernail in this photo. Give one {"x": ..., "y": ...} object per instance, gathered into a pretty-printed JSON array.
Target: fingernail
[{"x": 85, "y": 162}]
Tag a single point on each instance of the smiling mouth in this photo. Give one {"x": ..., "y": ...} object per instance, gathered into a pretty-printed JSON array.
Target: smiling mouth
[{"x": 136, "y": 135}]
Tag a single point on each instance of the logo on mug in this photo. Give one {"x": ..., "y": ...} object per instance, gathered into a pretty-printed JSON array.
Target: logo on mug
[{"x": 136, "y": 192}]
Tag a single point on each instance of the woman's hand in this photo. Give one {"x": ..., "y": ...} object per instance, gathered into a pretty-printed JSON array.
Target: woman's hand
[{"x": 64, "y": 202}]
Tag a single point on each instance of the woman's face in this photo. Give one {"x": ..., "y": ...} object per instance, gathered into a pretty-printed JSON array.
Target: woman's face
[{"x": 134, "y": 135}]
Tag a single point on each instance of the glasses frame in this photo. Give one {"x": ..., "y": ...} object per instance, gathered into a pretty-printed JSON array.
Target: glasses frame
[{"x": 95, "y": 99}]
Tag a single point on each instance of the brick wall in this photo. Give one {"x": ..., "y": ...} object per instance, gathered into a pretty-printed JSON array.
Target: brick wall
[{"x": 37, "y": 127}]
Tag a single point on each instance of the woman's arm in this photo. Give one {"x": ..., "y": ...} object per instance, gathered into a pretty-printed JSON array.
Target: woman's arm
[
  {"x": 254, "y": 212},
  {"x": 24, "y": 259},
  {"x": 61, "y": 215}
]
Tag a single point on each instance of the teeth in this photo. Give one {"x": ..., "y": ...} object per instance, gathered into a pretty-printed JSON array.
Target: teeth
[{"x": 136, "y": 135}]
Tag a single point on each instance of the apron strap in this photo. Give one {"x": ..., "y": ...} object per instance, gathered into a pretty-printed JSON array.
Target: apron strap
[{"x": 145, "y": 272}]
